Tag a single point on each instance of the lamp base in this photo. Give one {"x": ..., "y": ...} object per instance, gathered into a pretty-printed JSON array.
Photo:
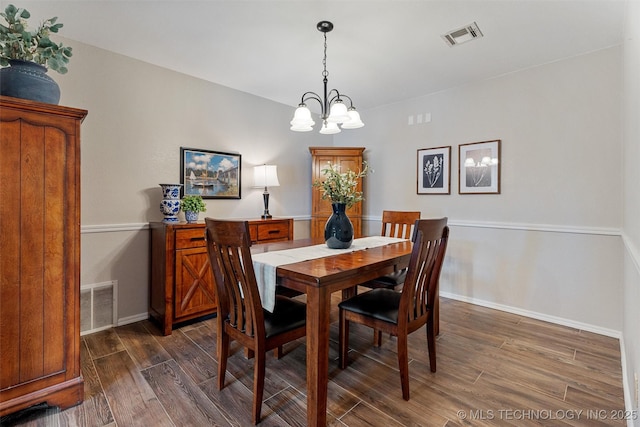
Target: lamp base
[{"x": 265, "y": 198}]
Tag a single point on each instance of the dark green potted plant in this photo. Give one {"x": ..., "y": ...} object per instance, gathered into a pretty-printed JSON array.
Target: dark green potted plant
[
  {"x": 26, "y": 55},
  {"x": 192, "y": 205}
]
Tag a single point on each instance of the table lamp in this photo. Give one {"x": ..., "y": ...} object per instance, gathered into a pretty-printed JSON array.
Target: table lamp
[{"x": 266, "y": 176}]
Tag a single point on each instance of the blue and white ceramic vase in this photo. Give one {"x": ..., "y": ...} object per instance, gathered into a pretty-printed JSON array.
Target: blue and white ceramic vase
[
  {"x": 191, "y": 216},
  {"x": 338, "y": 231},
  {"x": 170, "y": 204}
]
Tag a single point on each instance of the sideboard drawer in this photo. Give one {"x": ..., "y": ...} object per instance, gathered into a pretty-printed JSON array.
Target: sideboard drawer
[
  {"x": 274, "y": 231},
  {"x": 271, "y": 230},
  {"x": 190, "y": 238}
]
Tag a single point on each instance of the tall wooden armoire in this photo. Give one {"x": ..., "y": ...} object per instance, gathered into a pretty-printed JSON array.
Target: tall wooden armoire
[
  {"x": 347, "y": 158},
  {"x": 39, "y": 255}
]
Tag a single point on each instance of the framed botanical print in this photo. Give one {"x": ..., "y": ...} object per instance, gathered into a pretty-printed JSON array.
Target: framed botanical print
[
  {"x": 479, "y": 167},
  {"x": 210, "y": 174},
  {"x": 434, "y": 170}
]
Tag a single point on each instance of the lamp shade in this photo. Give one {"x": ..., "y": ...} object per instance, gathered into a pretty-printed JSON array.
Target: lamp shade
[
  {"x": 302, "y": 120},
  {"x": 338, "y": 112},
  {"x": 266, "y": 176},
  {"x": 329, "y": 128},
  {"x": 355, "y": 122}
]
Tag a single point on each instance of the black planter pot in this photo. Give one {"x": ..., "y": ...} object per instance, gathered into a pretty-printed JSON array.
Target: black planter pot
[
  {"x": 338, "y": 231},
  {"x": 28, "y": 80}
]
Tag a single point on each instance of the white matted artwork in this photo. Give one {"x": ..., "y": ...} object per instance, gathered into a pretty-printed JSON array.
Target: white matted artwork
[
  {"x": 434, "y": 170},
  {"x": 479, "y": 167}
]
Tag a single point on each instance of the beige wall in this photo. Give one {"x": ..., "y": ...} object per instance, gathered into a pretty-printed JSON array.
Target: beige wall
[
  {"x": 139, "y": 117},
  {"x": 631, "y": 202},
  {"x": 547, "y": 243}
]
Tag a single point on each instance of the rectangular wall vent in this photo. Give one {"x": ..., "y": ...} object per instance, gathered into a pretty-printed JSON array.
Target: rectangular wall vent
[
  {"x": 462, "y": 35},
  {"x": 98, "y": 308}
]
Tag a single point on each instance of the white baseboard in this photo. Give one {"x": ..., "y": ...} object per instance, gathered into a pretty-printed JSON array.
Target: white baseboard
[
  {"x": 132, "y": 319},
  {"x": 626, "y": 379},
  {"x": 535, "y": 315}
]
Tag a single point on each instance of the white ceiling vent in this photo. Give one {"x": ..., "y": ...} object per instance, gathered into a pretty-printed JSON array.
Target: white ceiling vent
[{"x": 461, "y": 35}]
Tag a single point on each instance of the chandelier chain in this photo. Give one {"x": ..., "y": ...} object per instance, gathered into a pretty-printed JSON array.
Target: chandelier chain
[{"x": 325, "y": 73}]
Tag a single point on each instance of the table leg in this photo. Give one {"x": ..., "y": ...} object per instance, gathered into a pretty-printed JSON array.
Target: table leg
[{"x": 318, "y": 305}]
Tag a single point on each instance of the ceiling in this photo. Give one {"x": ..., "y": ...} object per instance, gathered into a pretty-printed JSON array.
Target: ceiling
[{"x": 379, "y": 52}]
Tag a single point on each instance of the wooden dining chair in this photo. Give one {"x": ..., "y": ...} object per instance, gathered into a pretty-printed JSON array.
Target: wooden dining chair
[
  {"x": 401, "y": 313},
  {"x": 240, "y": 313},
  {"x": 395, "y": 224}
]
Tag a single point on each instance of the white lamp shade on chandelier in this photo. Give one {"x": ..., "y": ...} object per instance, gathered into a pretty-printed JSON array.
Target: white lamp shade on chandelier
[
  {"x": 334, "y": 112},
  {"x": 354, "y": 121}
]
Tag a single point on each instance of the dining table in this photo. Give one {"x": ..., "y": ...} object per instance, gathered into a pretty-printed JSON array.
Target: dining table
[{"x": 318, "y": 278}]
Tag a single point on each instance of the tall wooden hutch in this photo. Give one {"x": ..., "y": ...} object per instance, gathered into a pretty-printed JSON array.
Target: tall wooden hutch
[
  {"x": 347, "y": 158},
  {"x": 39, "y": 255}
]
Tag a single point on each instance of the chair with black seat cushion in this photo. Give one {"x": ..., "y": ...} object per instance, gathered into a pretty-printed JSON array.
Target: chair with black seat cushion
[
  {"x": 401, "y": 313},
  {"x": 241, "y": 316},
  {"x": 395, "y": 224}
]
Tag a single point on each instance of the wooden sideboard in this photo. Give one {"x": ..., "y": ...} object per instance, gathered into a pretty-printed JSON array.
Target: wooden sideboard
[
  {"x": 182, "y": 286},
  {"x": 40, "y": 255}
]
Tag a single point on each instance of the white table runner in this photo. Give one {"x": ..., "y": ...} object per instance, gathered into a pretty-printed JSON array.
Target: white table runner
[{"x": 265, "y": 264}]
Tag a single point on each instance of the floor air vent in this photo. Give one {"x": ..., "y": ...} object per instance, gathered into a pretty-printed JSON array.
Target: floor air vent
[
  {"x": 98, "y": 309},
  {"x": 461, "y": 35}
]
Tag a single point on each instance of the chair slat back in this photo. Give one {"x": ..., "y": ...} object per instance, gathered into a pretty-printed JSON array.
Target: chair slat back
[
  {"x": 228, "y": 245},
  {"x": 398, "y": 223},
  {"x": 429, "y": 248}
]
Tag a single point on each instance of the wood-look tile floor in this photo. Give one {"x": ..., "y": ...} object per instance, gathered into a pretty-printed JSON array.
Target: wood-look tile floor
[{"x": 494, "y": 368}]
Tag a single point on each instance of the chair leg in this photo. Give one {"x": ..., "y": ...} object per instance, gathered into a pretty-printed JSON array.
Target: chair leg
[
  {"x": 258, "y": 385},
  {"x": 377, "y": 337},
  {"x": 223, "y": 354},
  {"x": 431, "y": 342},
  {"x": 403, "y": 364},
  {"x": 277, "y": 352},
  {"x": 349, "y": 292},
  {"x": 343, "y": 340}
]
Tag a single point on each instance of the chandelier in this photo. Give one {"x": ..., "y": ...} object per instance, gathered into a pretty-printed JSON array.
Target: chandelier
[{"x": 334, "y": 111}]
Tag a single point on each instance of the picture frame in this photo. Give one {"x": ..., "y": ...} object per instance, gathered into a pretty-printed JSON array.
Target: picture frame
[
  {"x": 479, "y": 167},
  {"x": 210, "y": 174},
  {"x": 434, "y": 170}
]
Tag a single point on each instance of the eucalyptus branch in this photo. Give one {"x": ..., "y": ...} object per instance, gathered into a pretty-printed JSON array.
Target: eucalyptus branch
[
  {"x": 18, "y": 43},
  {"x": 341, "y": 187}
]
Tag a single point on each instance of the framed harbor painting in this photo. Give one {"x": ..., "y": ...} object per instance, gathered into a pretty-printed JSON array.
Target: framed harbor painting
[
  {"x": 434, "y": 170},
  {"x": 210, "y": 174},
  {"x": 479, "y": 167}
]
